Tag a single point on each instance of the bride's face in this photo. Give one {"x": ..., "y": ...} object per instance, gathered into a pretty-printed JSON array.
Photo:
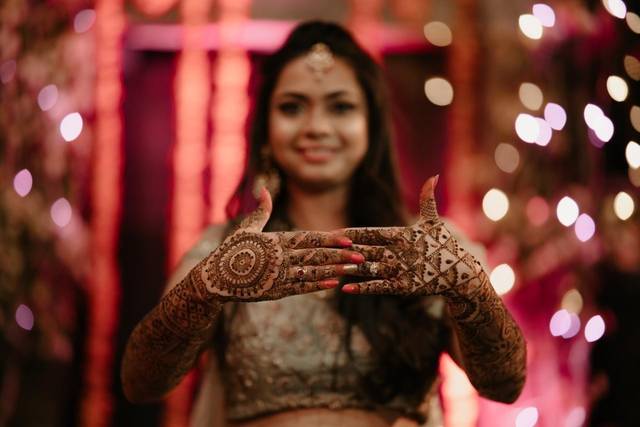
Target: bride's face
[{"x": 318, "y": 124}]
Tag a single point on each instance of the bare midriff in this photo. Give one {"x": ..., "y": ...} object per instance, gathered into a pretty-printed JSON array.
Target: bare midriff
[{"x": 323, "y": 417}]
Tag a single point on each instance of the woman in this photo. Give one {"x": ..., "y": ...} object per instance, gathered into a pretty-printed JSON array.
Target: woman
[{"x": 320, "y": 135}]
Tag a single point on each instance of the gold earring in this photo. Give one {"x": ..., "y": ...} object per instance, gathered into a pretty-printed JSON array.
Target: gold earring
[{"x": 268, "y": 177}]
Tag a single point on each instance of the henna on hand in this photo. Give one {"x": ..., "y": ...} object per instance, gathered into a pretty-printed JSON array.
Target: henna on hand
[{"x": 425, "y": 259}]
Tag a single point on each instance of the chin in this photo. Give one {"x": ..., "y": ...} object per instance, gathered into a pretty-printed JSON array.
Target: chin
[{"x": 322, "y": 182}]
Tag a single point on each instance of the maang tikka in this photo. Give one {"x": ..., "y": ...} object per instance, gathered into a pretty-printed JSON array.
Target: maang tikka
[{"x": 319, "y": 60}]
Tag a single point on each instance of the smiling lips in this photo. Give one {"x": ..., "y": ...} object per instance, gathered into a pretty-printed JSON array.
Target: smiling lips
[{"x": 317, "y": 153}]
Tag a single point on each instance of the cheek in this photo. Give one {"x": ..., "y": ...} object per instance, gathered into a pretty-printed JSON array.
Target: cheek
[
  {"x": 355, "y": 133},
  {"x": 281, "y": 132}
]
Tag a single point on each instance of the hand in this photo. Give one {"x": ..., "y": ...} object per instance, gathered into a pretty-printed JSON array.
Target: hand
[
  {"x": 423, "y": 259},
  {"x": 251, "y": 265}
]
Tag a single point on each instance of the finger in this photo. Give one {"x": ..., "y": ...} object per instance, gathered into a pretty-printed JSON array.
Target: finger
[
  {"x": 315, "y": 273},
  {"x": 374, "y": 253},
  {"x": 323, "y": 256},
  {"x": 371, "y": 287},
  {"x": 257, "y": 219},
  {"x": 314, "y": 239},
  {"x": 428, "y": 209},
  {"x": 373, "y": 235},
  {"x": 375, "y": 269},
  {"x": 308, "y": 287}
]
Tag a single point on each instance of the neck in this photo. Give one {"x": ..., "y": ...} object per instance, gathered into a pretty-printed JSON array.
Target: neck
[{"x": 324, "y": 210}]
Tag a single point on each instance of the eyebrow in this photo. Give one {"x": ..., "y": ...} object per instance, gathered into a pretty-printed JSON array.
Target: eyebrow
[{"x": 302, "y": 96}]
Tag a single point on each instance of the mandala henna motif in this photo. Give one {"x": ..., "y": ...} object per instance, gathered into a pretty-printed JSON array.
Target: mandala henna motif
[{"x": 246, "y": 265}]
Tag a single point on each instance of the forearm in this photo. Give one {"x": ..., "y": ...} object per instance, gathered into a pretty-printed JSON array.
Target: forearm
[
  {"x": 491, "y": 343},
  {"x": 165, "y": 345}
]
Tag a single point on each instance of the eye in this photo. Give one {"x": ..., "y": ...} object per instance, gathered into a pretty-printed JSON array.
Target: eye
[
  {"x": 342, "y": 107},
  {"x": 290, "y": 108}
]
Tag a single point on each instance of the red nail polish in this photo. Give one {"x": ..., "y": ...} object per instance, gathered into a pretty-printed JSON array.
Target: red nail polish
[
  {"x": 351, "y": 289},
  {"x": 329, "y": 283},
  {"x": 345, "y": 242},
  {"x": 357, "y": 258}
]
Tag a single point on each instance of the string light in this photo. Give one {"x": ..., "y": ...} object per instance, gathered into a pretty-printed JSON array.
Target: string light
[
  {"x": 24, "y": 317},
  {"x": 617, "y": 88},
  {"x": 633, "y": 21},
  {"x": 439, "y": 91},
  {"x": 545, "y": 133},
  {"x": 623, "y": 206},
  {"x": 530, "y": 26},
  {"x": 572, "y": 301},
  {"x": 634, "y": 176},
  {"x": 584, "y": 227},
  {"x": 528, "y": 417},
  {"x": 530, "y": 96},
  {"x": 71, "y": 126},
  {"x": 597, "y": 121},
  {"x": 567, "y": 211},
  {"x": 632, "y": 154},
  {"x": 634, "y": 116},
  {"x": 574, "y": 326},
  {"x": 560, "y": 322},
  {"x": 545, "y": 14},
  {"x": 23, "y": 182},
  {"x": 594, "y": 329},
  {"x": 507, "y": 157},
  {"x": 555, "y": 115},
  {"x": 47, "y": 97},
  {"x": 527, "y": 128},
  {"x": 438, "y": 33},
  {"x": 502, "y": 279},
  {"x": 495, "y": 204},
  {"x": 84, "y": 20},
  {"x": 616, "y": 8},
  {"x": 61, "y": 212},
  {"x": 632, "y": 67}
]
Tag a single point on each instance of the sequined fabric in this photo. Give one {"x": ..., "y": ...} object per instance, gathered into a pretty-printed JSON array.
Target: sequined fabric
[{"x": 290, "y": 354}]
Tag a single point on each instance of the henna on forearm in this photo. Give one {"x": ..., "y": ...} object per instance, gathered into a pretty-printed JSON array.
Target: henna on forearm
[
  {"x": 425, "y": 259},
  {"x": 164, "y": 346}
]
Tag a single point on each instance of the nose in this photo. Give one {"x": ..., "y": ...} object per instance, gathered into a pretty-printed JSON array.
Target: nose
[{"x": 318, "y": 124}]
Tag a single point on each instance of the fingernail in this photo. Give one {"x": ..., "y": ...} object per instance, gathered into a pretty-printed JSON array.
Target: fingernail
[
  {"x": 357, "y": 258},
  {"x": 349, "y": 269},
  {"x": 345, "y": 242},
  {"x": 435, "y": 182},
  {"x": 329, "y": 283},
  {"x": 351, "y": 289}
]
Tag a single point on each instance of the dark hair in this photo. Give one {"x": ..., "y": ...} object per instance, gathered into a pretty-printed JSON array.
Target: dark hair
[{"x": 406, "y": 341}]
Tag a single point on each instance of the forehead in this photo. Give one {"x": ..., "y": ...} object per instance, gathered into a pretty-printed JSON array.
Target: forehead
[{"x": 297, "y": 77}]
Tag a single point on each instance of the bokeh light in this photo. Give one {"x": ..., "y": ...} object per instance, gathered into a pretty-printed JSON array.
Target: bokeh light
[
  {"x": 22, "y": 182},
  {"x": 616, "y": 8},
  {"x": 572, "y": 301},
  {"x": 61, "y": 212},
  {"x": 507, "y": 157},
  {"x": 537, "y": 210},
  {"x": 574, "y": 326},
  {"x": 634, "y": 116},
  {"x": 528, "y": 417},
  {"x": 502, "y": 279},
  {"x": 527, "y": 128},
  {"x": 584, "y": 227},
  {"x": 623, "y": 205},
  {"x": 617, "y": 88},
  {"x": 560, "y": 322},
  {"x": 545, "y": 14},
  {"x": 84, "y": 20},
  {"x": 567, "y": 211},
  {"x": 592, "y": 113},
  {"x": 439, "y": 91},
  {"x": 544, "y": 136},
  {"x": 71, "y": 126},
  {"x": 24, "y": 317},
  {"x": 632, "y": 67},
  {"x": 601, "y": 125},
  {"x": 576, "y": 417},
  {"x": 531, "y": 96},
  {"x": 438, "y": 33},
  {"x": 555, "y": 115},
  {"x": 530, "y": 26},
  {"x": 7, "y": 71},
  {"x": 495, "y": 204},
  {"x": 594, "y": 329},
  {"x": 633, "y": 21},
  {"x": 47, "y": 97},
  {"x": 632, "y": 154}
]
